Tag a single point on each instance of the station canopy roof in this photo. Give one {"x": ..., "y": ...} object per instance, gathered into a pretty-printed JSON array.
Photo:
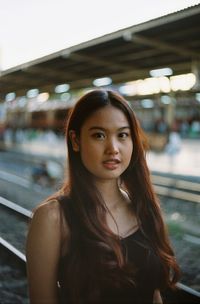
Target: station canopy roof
[{"x": 125, "y": 55}]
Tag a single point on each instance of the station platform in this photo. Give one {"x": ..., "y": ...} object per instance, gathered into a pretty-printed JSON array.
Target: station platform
[{"x": 186, "y": 162}]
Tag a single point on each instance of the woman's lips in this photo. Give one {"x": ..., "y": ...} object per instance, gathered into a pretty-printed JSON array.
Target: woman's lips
[{"x": 111, "y": 164}]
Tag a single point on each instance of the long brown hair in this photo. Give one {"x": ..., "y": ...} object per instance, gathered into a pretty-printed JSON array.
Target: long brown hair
[{"x": 96, "y": 257}]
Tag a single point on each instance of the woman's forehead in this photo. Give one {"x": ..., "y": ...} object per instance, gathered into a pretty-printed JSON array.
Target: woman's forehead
[{"x": 106, "y": 116}]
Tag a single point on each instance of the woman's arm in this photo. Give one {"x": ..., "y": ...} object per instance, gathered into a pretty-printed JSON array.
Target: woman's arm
[
  {"x": 157, "y": 299},
  {"x": 43, "y": 253}
]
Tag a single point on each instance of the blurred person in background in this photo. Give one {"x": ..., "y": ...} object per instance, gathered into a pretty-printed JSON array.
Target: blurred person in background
[
  {"x": 174, "y": 143},
  {"x": 101, "y": 238},
  {"x": 46, "y": 173},
  {"x": 39, "y": 173},
  {"x": 173, "y": 147}
]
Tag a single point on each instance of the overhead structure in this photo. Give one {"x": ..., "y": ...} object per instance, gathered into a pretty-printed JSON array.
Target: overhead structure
[{"x": 171, "y": 41}]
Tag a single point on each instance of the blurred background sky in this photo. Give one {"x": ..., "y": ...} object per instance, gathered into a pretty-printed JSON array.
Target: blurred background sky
[{"x": 34, "y": 28}]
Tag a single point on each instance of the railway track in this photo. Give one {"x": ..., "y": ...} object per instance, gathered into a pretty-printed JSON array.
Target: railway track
[
  {"x": 184, "y": 294},
  {"x": 13, "y": 219},
  {"x": 170, "y": 189},
  {"x": 172, "y": 182},
  {"x": 164, "y": 186},
  {"x": 176, "y": 188},
  {"x": 13, "y": 287},
  {"x": 167, "y": 187}
]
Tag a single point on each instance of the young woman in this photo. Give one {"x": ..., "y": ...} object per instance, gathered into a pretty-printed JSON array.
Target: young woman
[{"x": 102, "y": 238}]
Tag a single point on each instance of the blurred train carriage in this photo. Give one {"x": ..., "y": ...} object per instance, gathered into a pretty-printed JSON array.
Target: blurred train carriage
[{"x": 23, "y": 123}]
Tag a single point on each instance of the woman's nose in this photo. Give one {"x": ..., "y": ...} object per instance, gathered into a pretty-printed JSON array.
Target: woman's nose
[{"x": 112, "y": 147}]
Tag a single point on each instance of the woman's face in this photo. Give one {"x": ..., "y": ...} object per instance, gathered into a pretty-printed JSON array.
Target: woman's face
[{"x": 105, "y": 143}]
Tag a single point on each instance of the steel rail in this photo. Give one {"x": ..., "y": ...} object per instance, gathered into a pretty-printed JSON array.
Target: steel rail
[
  {"x": 15, "y": 207},
  {"x": 178, "y": 194},
  {"x": 22, "y": 257},
  {"x": 12, "y": 249},
  {"x": 178, "y": 183},
  {"x": 19, "y": 181},
  {"x": 181, "y": 287},
  {"x": 188, "y": 290},
  {"x": 160, "y": 189},
  {"x": 15, "y": 179}
]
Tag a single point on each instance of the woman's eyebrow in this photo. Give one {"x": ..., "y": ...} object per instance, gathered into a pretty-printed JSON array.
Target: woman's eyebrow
[
  {"x": 103, "y": 129},
  {"x": 126, "y": 127},
  {"x": 96, "y": 127}
]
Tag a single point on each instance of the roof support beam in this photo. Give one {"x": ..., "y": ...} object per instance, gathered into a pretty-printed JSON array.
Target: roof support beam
[
  {"x": 165, "y": 46},
  {"x": 109, "y": 63}
]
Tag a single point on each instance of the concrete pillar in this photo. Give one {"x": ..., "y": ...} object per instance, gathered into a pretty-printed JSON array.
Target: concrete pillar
[
  {"x": 170, "y": 110},
  {"x": 50, "y": 118}
]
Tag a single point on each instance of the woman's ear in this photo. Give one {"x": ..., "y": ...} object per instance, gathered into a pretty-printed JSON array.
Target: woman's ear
[{"x": 74, "y": 140}]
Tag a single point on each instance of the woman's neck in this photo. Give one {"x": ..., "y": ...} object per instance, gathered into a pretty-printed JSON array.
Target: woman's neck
[{"x": 111, "y": 193}]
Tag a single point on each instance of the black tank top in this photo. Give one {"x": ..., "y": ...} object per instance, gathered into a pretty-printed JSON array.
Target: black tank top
[
  {"x": 147, "y": 277},
  {"x": 148, "y": 271},
  {"x": 139, "y": 252}
]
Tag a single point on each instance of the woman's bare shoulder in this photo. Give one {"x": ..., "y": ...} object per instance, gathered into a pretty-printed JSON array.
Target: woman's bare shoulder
[
  {"x": 51, "y": 215},
  {"x": 49, "y": 218},
  {"x": 49, "y": 221},
  {"x": 50, "y": 209},
  {"x": 49, "y": 204},
  {"x": 43, "y": 250}
]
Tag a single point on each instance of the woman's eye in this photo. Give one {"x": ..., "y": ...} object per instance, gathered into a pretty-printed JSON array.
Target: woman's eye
[
  {"x": 123, "y": 135},
  {"x": 98, "y": 135}
]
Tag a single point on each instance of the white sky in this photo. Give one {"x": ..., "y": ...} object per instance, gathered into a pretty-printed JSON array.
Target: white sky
[{"x": 30, "y": 29}]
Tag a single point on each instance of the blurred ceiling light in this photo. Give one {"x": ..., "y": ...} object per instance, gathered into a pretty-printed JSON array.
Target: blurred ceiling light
[
  {"x": 155, "y": 85},
  {"x": 161, "y": 72},
  {"x": 182, "y": 82},
  {"x": 102, "y": 81},
  {"x": 42, "y": 97},
  {"x": 147, "y": 103},
  {"x": 32, "y": 93},
  {"x": 129, "y": 89},
  {"x": 65, "y": 96},
  {"x": 164, "y": 84},
  {"x": 148, "y": 86},
  {"x": 10, "y": 96},
  {"x": 165, "y": 99},
  {"x": 62, "y": 88}
]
